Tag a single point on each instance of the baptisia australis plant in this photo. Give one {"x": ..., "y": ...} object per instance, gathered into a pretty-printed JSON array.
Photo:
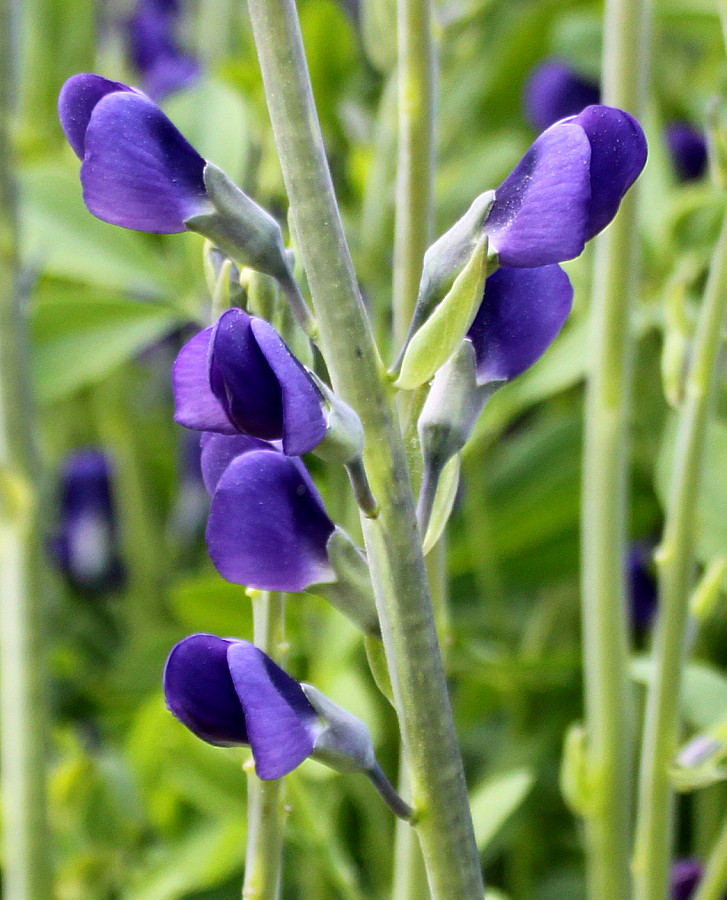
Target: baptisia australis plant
[
  {"x": 229, "y": 693},
  {"x": 139, "y": 172}
]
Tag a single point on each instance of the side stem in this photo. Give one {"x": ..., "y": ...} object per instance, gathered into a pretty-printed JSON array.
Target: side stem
[
  {"x": 608, "y": 697},
  {"x": 676, "y": 574},
  {"x": 397, "y": 567},
  {"x": 265, "y": 810},
  {"x": 26, "y": 867},
  {"x": 714, "y": 881}
]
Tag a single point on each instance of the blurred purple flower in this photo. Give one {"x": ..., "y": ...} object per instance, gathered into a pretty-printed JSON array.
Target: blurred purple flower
[
  {"x": 641, "y": 584},
  {"x": 688, "y": 150},
  {"x": 239, "y": 377},
  {"x": 154, "y": 50},
  {"x": 268, "y": 527},
  {"x": 229, "y": 693},
  {"x": 137, "y": 170},
  {"x": 522, "y": 312},
  {"x": 685, "y": 876},
  {"x": 85, "y": 547},
  {"x": 566, "y": 188},
  {"x": 554, "y": 91}
]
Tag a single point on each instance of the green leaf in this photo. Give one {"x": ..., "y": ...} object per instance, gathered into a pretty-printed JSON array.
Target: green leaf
[
  {"x": 440, "y": 335},
  {"x": 704, "y": 691},
  {"x": 443, "y": 502},
  {"x": 495, "y": 800},
  {"x": 77, "y": 342}
]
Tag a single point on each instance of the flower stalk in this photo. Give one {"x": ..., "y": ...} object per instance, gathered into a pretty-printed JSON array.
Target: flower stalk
[
  {"x": 405, "y": 611},
  {"x": 609, "y": 704},
  {"x": 711, "y": 887},
  {"x": 676, "y": 563}
]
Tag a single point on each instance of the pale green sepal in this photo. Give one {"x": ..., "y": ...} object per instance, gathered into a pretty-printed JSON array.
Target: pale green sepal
[
  {"x": 351, "y": 591},
  {"x": 344, "y": 438},
  {"x": 379, "y": 667},
  {"x": 576, "y": 785},
  {"x": 701, "y": 761},
  {"x": 441, "y": 334},
  {"x": 443, "y": 502},
  {"x": 262, "y": 294},
  {"x": 238, "y": 226},
  {"x": 344, "y": 742}
]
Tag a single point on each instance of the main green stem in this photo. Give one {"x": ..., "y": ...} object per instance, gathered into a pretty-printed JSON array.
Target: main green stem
[
  {"x": 416, "y": 150},
  {"x": 26, "y": 868},
  {"x": 265, "y": 812},
  {"x": 714, "y": 880},
  {"x": 609, "y": 704},
  {"x": 676, "y": 575},
  {"x": 397, "y": 568}
]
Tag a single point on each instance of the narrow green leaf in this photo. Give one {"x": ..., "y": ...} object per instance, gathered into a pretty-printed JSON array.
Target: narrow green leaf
[
  {"x": 495, "y": 800},
  {"x": 443, "y": 502}
]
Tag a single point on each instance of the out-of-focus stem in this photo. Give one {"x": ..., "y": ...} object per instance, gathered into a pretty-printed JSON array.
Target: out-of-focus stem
[
  {"x": 676, "y": 574},
  {"x": 407, "y": 624},
  {"x": 265, "y": 809},
  {"x": 416, "y": 149},
  {"x": 609, "y": 703},
  {"x": 26, "y": 853},
  {"x": 714, "y": 881}
]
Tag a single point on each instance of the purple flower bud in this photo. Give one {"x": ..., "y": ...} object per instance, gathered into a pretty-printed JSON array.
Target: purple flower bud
[
  {"x": 86, "y": 546},
  {"x": 267, "y": 528},
  {"x": 137, "y": 170},
  {"x": 555, "y": 91},
  {"x": 240, "y": 377},
  {"x": 641, "y": 584},
  {"x": 229, "y": 693},
  {"x": 685, "y": 876},
  {"x": 521, "y": 314},
  {"x": 154, "y": 50},
  {"x": 688, "y": 150},
  {"x": 566, "y": 188}
]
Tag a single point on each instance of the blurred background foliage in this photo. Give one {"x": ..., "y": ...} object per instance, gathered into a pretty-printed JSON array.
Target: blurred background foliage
[{"x": 141, "y": 810}]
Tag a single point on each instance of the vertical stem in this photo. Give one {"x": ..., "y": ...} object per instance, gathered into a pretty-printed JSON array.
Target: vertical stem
[
  {"x": 415, "y": 164},
  {"x": 609, "y": 704},
  {"x": 714, "y": 881},
  {"x": 26, "y": 869},
  {"x": 265, "y": 812},
  {"x": 400, "y": 586},
  {"x": 676, "y": 574}
]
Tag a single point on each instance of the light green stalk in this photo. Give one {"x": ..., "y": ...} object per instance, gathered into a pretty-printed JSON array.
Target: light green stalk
[
  {"x": 714, "y": 881},
  {"x": 26, "y": 852},
  {"x": 265, "y": 806},
  {"x": 609, "y": 704},
  {"x": 676, "y": 574},
  {"x": 416, "y": 149},
  {"x": 407, "y": 624}
]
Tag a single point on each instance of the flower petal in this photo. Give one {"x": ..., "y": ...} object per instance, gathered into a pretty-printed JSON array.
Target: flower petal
[
  {"x": 200, "y": 692},
  {"x": 554, "y": 91},
  {"x": 521, "y": 313},
  {"x": 195, "y": 406},
  {"x": 218, "y": 451},
  {"x": 77, "y": 100},
  {"x": 138, "y": 170},
  {"x": 280, "y": 721},
  {"x": 267, "y": 527},
  {"x": 540, "y": 212},
  {"x": 242, "y": 380},
  {"x": 618, "y": 154},
  {"x": 688, "y": 150},
  {"x": 304, "y": 424}
]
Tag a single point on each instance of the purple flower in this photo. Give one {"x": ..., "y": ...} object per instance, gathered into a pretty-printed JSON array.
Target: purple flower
[
  {"x": 522, "y": 312},
  {"x": 685, "y": 876},
  {"x": 688, "y": 149},
  {"x": 267, "y": 527},
  {"x": 137, "y": 170},
  {"x": 566, "y": 188},
  {"x": 229, "y": 693},
  {"x": 86, "y": 546},
  {"x": 555, "y": 91},
  {"x": 641, "y": 584},
  {"x": 154, "y": 50},
  {"x": 239, "y": 377}
]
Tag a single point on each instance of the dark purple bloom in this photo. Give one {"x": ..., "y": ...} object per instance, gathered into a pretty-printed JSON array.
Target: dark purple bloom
[
  {"x": 555, "y": 91},
  {"x": 138, "y": 171},
  {"x": 641, "y": 584},
  {"x": 86, "y": 545},
  {"x": 267, "y": 528},
  {"x": 566, "y": 188},
  {"x": 154, "y": 49},
  {"x": 685, "y": 876},
  {"x": 521, "y": 314},
  {"x": 688, "y": 150},
  {"x": 229, "y": 693},
  {"x": 240, "y": 377}
]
